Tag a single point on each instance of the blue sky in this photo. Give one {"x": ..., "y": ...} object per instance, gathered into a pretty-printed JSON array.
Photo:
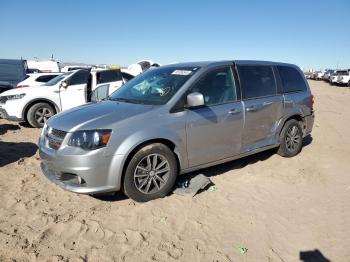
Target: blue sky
[{"x": 311, "y": 34}]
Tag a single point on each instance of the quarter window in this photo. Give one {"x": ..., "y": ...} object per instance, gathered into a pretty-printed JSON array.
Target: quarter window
[
  {"x": 44, "y": 79},
  {"x": 256, "y": 81},
  {"x": 292, "y": 81},
  {"x": 217, "y": 87}
]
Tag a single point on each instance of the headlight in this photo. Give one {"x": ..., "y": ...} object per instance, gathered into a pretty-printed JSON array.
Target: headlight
[
  {"x": 90, "y": 139},
  {"x": 13, "y": 97}
]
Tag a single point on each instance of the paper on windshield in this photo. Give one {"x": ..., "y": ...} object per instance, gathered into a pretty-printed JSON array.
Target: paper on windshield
[{"x": 181, "y": 72}]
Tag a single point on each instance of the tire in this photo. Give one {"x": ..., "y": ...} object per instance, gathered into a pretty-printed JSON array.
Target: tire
[
  {"x": 349, "y": 83},
  {"x": 39, "y": 113},
  {"x": 149, "y": 184},
  {"x": 293, "y": 133}
]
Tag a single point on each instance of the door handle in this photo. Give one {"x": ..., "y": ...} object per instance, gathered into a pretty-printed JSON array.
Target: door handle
[
  {"x": 267, "y": 103},
  {"x": 234, "y": 111},
  {"x": 251, "y": 108}
]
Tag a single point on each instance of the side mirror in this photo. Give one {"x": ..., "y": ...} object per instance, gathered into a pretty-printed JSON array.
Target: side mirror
[
  {"x": 64, "y": 84},
  {"x": 195, "y": 99}
]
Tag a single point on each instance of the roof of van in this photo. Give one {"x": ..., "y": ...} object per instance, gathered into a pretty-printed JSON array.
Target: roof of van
[{"x": 225, "y": 62}]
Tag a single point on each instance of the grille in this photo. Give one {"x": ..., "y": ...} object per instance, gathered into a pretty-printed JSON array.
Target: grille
[
  {"x": 54, "y": 138},
  {"x": 3, "y": 99},
  {"x": 58, "y": 133}
]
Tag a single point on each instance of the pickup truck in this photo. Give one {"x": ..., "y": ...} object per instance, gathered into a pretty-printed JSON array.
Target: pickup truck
[{"x": 344, "y": 78}]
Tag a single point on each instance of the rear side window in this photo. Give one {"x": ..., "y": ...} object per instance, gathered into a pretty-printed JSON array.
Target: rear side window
[
  {"x": 256, "y": 81},
  {"x": 108, "y": 76},
  {"x": 100, "y": 93},
  {"x": 127, "y": 76},
  {"x": 292, "y": 81},
  {"x": 44, "y": 79}
]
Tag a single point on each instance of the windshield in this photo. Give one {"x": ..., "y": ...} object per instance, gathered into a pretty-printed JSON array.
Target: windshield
[
  {"x": 155, "y": 87},
  {"x": 57, "y": 79}
]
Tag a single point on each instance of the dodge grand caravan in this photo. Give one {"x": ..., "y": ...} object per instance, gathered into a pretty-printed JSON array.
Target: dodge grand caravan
[{"x": 175, "y": 119}]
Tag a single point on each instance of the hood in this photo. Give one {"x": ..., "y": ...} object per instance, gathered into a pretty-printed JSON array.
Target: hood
[
  {"x": 96, "y": 115},
  {"x": 22, "y": 90}
]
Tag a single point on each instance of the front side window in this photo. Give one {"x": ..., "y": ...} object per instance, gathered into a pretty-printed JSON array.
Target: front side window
[
  {"x": 155, "y": 86},
  {"x": 256, "y": 81},
  {"x": 108, "y": 76},
  {"x": 217, "y": 87},
  {"x": 292, "y": 81},
  {"x": 80, "y": 77}
]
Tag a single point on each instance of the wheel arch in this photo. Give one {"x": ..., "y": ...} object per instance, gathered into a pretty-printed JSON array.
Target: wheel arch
[
  {"x": 165, "y": 141},
  {"x": 35, "y": 101},
  {"x": 297, "y": 116}
]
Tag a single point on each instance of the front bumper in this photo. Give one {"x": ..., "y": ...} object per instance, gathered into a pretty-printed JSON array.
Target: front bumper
[
  {"x": 5, "y": 115},
  {"x": 97, "y": 173}
]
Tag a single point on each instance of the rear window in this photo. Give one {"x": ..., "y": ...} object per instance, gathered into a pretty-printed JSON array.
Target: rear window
[
  {"x": 292, "y": 80},
  {"x": 44, "y": 79},
  {"x": 256, "y": 81},
  {"x": 108, "y": 76}
]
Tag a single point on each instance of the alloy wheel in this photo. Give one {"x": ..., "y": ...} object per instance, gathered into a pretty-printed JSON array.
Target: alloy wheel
[
  {"x": 293, "y": 138},
  {"x": 151, "y": 173},
  {"x": 42, "y": 115}
]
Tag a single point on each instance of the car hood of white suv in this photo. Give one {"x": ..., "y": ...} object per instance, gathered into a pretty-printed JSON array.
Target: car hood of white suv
[{"x": 22, "y": 90}]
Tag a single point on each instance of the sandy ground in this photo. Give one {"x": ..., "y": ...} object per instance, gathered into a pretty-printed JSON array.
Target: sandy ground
[{"x": 279, "y": 209}]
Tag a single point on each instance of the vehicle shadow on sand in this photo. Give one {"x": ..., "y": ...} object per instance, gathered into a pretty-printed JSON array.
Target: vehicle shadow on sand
[
  {"x": 8, "y": 127},
  {"x": 11, "y": 152},
  {"x": 312, "y": 256},
  {"x": 242, "y": 162}
]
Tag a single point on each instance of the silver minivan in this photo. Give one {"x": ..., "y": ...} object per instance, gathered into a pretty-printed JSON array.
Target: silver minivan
[{"x": 175, "y": 119}]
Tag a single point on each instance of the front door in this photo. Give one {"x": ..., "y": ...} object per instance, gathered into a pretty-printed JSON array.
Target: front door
[
  {"x": 214, "y": 131},
  {"x": 263, "y": 106},
  {"x": 75, "y": 93}
]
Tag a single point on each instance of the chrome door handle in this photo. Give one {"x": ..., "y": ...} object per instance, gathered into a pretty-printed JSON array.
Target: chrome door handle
[
  {"x": 267, "y": 103},
  {"x": 234, "y": 111},
  {"x": 251, "y": 108}
]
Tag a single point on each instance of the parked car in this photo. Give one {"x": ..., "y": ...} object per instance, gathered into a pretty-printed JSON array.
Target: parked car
[
  {"x": 44, "y": 66},
  {"x": 173, "y": 120},
  {"x": 327, "y": 75},
  {"x": 142, "y": 66},
  {"x": 319, "y": 75},
  {"x": 344, "y": 78},
  {"x": 37, "y": 104},
  {"x": 74, "y": 67},
  {"x": 37, "y": 79},
  {"x": 11, "y": 73}
]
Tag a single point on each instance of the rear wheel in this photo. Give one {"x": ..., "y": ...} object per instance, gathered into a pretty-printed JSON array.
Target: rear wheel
[
  {"x": 151, "y": 173},
  {"x": 291, "y": 139},
  {"x": 349, "y": 83},
  {"x": 39, "y": 113}
]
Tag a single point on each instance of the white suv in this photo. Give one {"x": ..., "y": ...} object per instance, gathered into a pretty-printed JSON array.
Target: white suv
[{"x": 37, "y": 104}]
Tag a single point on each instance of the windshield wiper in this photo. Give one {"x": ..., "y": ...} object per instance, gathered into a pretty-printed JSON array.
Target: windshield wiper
[{"x": 124, "y": 100}]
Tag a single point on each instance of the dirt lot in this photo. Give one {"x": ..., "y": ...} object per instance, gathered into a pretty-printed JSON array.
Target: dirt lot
[{"x": 275, "y": 207}]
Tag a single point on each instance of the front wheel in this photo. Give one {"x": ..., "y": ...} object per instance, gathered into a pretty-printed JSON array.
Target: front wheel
[
  {"x": 151, "y": 173},
  {"x": 39, "y": 113},
  {"x": 291, "y": 139}
]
